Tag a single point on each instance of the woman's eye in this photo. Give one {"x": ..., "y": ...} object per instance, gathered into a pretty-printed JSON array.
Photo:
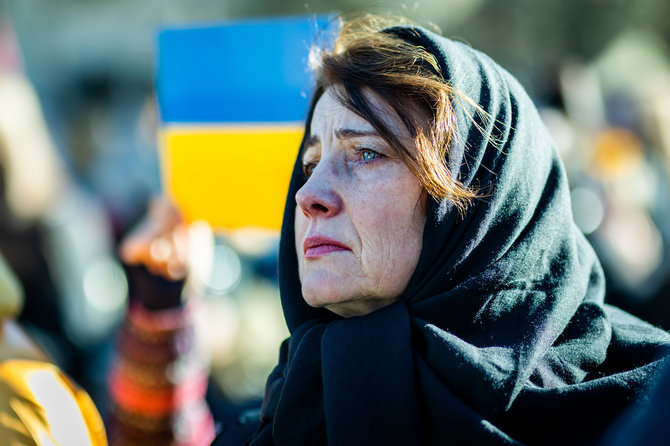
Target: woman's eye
[
  {"x": 367, "y": 154},
  {"x": 308, "y": 168}
]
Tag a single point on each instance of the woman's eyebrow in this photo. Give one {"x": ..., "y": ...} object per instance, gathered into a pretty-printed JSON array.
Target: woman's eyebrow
[
  {"x": 344, "y": 133},
  {"x": 312, "y": 140},
  {"x": 354, "y": 133}
]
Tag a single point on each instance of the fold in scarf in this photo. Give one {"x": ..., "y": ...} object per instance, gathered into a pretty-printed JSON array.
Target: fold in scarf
[{"x": 502, "y": 335}]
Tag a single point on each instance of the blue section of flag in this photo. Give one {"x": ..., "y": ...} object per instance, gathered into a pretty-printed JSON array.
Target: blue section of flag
[{"x": 240, "y": 71}]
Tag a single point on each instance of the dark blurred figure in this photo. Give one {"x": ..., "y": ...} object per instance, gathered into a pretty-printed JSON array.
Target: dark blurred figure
[
  {"x": 55, "y": 236},
  {"x": 159, "y": 376}
]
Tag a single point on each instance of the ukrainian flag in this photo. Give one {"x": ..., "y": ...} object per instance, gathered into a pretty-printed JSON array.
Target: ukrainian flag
[{"x": 232, "y": 99}]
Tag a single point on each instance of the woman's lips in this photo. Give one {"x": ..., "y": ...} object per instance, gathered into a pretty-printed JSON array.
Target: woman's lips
[{"x": 318, "y": 245}]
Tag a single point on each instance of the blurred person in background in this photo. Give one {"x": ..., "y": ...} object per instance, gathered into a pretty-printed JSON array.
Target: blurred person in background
[
  {"x": 609, "y": 124},
  {"x": 31, "y": 180},
  {"x": 55, "y": 236},
  {"x": 150, "y": 385},
  {"x": 159, "y": 375}
]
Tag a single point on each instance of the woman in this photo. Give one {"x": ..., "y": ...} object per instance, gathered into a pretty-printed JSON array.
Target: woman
[{"x": 436, "y": 288}]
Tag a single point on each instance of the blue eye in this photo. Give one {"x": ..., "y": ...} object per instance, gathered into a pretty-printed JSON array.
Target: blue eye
[{"x": 367, "y": 154}]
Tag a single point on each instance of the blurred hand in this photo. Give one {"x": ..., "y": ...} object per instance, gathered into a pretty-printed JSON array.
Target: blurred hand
[{"x": 160, "y": 242}]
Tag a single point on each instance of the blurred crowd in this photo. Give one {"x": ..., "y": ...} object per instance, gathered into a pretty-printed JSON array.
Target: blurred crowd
[
  {"x": 64, "y": 211},
  {"x": 609, "y": 119}
]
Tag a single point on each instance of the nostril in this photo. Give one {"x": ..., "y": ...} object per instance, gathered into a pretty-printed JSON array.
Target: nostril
[
  {"x": 319, "y": 207},
  {"x": 318, "y": 199}
]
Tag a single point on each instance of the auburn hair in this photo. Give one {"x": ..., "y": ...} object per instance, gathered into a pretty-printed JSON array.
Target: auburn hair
[{"x": 366, "y": 56}]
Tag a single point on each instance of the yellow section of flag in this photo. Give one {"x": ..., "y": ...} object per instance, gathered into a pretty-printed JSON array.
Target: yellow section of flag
[{"x": 230, "y": 177}]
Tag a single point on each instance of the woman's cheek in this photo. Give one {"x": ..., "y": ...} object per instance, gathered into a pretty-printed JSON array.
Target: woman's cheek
[{"x": 300, "y": 228}]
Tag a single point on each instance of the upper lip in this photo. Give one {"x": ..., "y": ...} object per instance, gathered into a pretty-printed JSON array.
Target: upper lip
[{"x": 318, "y": 240}]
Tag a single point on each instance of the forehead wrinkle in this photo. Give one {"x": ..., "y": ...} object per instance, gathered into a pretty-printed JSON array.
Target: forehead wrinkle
[
  {"x": 345, "y": 133},
  {"x": 343, "y": 123}
]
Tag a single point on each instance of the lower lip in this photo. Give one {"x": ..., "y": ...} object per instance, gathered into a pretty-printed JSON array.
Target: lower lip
[{"x": 320, "y": 250}]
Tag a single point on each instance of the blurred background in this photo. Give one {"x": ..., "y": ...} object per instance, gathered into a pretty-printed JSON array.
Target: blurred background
[{"x": 78, "y": 159}]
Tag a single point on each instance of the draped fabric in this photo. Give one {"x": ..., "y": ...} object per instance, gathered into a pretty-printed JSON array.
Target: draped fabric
[{"x": 502, "y": 335}]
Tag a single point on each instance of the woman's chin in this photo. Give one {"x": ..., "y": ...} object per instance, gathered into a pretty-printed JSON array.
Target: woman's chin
[
  {"x": 324, "y": 290},
  {"x": 359, "y": 307},
  {"x": 335, "y": 299}
]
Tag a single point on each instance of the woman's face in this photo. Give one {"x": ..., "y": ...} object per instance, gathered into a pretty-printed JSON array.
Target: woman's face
[{"x": 359, "y": 217}]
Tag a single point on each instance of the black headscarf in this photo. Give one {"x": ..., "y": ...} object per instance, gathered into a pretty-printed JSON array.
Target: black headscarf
[{"x": 501, "y": 336}]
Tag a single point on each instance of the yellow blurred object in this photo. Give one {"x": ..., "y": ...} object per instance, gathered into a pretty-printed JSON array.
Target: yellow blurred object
[
  {"x": 40, "y": 406},
  {"x": 230, "y": 177},
  {"x": 618, "y": 153}
]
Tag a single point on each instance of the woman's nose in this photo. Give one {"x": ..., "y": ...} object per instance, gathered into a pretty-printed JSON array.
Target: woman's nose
[{"x": 318, "y": 196}]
